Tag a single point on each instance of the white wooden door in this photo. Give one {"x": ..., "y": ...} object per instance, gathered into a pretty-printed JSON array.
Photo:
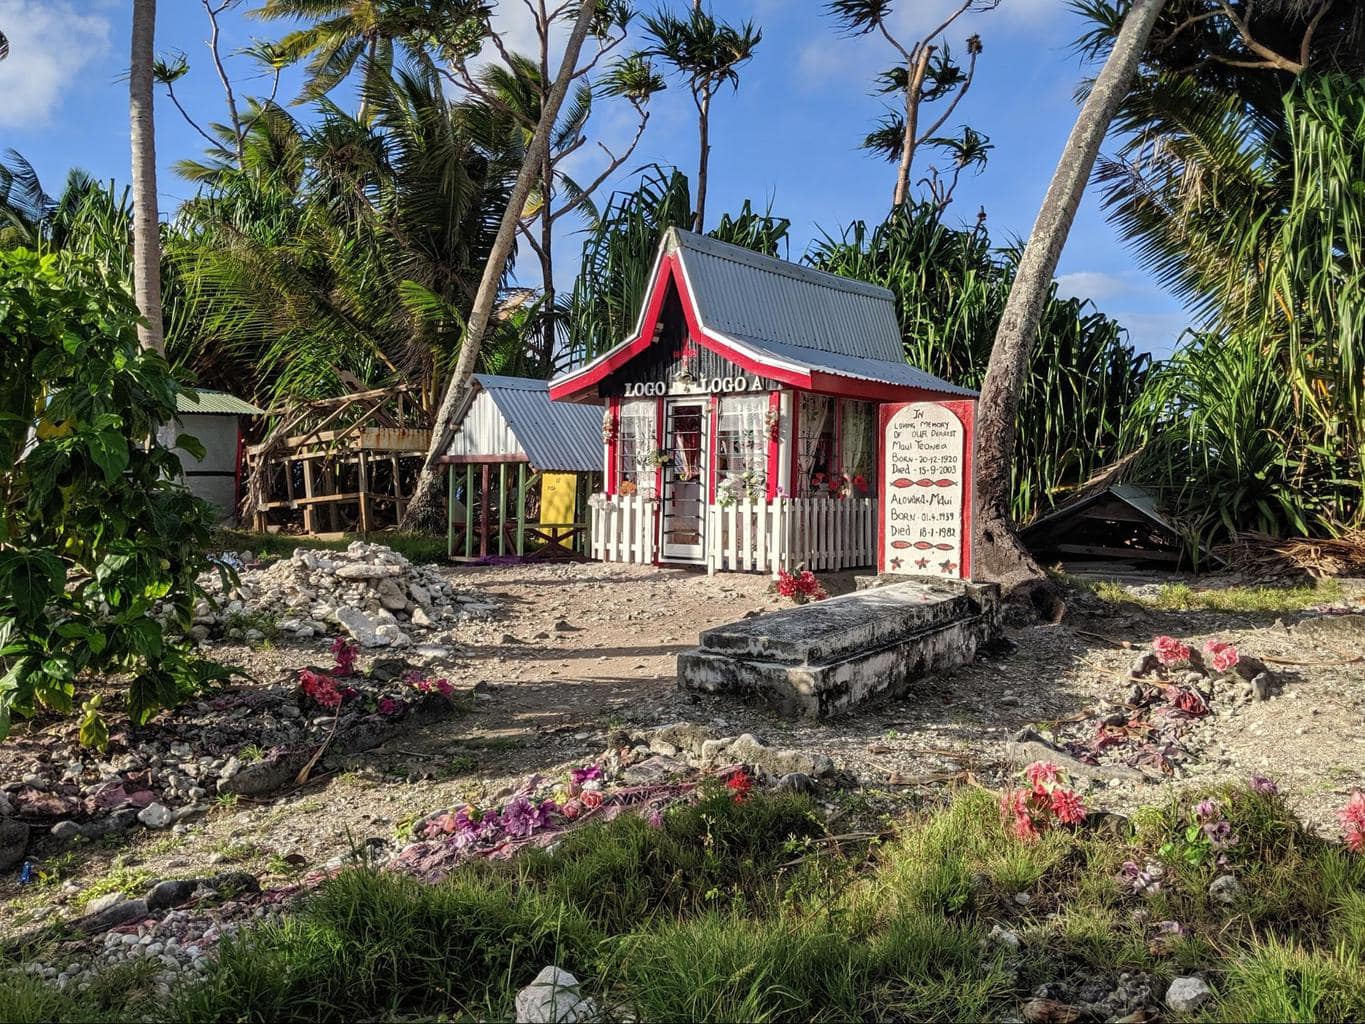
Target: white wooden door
[{"x": 686, "y": 439}]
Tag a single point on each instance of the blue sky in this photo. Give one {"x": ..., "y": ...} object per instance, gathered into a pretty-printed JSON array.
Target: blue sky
[{"x": 788, "y": 138}]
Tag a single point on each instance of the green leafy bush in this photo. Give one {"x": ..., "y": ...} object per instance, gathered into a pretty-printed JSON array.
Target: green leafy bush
[{"x": 95, "y": 529}]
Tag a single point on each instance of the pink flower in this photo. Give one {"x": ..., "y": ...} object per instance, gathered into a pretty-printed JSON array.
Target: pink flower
[
  {"x": 1260, "y": 784},
  {"x": 1015, "y": 810},
  {"x": 388, "y": 707},
  {"x": 655, "y": 819},
  {"x": 1042, "y": 774},
  {"x": 571, "y": 809},
  {"x": 1170, "y": 651},
  {"x": 1067, "y": 806},
  {"x": 1222, "y": 656},
  {"x": 1352, "y": 818},
  {"x": 591, "y": 799}
]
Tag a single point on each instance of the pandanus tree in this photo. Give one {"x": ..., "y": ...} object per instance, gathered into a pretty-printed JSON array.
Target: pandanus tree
[
  {"x": 1233, "y": 178},
  {"x": 999, "y": 553},
  {"x": 925, "y": 72},
  {"x": 706, "y": 54}
]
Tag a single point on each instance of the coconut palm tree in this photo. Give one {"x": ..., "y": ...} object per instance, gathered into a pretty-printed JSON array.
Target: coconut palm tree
[
  {"x": 707, "y": 54},
  {"x": 424, "y": 510},
  {"x": 4, "y": 46},
  {"x": 343, "y": 35},
  {"x": 146, "y": 222},
  {"x": 998, "y": 553}
]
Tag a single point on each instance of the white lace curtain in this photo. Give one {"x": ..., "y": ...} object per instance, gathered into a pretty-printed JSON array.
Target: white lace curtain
[
  {"x": 814, "y": 417},
  {"x": 857, "y": 422}
]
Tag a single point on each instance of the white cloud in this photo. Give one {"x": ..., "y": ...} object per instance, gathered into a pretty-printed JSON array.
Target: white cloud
[
  {"x": 51, "y": 44},
  {"x": 1096, "y": 284}
]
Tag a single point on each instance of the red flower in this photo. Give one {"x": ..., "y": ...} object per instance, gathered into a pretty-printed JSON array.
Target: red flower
[
  {"x": 1067, "y": 806},
  {"x": 1016, "y": 811},
  {"x": 1191, "y": 703},
  {"x": 592, "y": 798},
  {"x": 345, "y": 652},
  {"x": 1170, "y": 651},
  {"x": 739, "y": 785}
]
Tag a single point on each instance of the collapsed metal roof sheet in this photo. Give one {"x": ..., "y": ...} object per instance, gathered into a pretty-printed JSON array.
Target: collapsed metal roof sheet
[
  {"x": 214, "y": 403},
  {"x": 556, "y": 436}
]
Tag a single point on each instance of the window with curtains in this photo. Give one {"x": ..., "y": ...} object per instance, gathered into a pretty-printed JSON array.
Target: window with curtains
[
  {"x": 858, "y": 448},
  {"x": 637, "y": 439},
  {"x": 742, "y": 448},
  {"x": 816, "y": 456}
]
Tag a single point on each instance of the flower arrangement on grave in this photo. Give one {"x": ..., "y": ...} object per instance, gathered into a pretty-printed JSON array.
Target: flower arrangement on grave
[
  {"x": 800, "y": 587},
  {"x": 1047, "y": 802}
]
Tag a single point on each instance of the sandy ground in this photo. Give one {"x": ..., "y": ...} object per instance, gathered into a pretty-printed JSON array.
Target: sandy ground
[{"x": 581, "y": 650}]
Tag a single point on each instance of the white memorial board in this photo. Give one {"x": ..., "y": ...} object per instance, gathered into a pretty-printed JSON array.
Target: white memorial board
[{"x": 923, "y": 497}]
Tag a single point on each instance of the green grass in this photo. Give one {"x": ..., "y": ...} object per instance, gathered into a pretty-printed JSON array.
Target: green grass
[
  {"x": 129, "y": 881},
  {"x": 415, "y": 547},
  {"x": 752, "y": 912},
  {"x": 1181, "y": 597}
]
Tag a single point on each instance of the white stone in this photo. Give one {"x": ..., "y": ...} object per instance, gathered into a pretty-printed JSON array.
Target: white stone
[
  {"x": 553, "y": 998},
  {"x": 155, "y": 815},
  {"x": 361, "y": 627},
  {"x": 1188, "y": 994}
]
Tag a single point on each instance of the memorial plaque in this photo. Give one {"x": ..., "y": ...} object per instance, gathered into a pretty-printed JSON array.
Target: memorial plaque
[{"x": 925, "y": 489}]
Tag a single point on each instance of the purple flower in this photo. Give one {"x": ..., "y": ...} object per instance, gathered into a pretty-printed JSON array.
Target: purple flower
[
  {"x": 1206, "y": 809},
  {"x": 1260, "y": 784},
  {"x": 655, "y": 819},
  {"x": 591, "y": 773},
  {"x": 1220, "y": 835},
  {"x": 521, "y": 817},
  {"x": 1141, "y": 879}
]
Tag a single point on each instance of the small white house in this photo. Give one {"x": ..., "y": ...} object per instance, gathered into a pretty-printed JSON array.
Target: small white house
[{"x": 216, "y": 420}]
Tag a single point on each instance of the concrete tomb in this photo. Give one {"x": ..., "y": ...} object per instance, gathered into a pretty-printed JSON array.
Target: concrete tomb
[{"x": 817, "y": 660}]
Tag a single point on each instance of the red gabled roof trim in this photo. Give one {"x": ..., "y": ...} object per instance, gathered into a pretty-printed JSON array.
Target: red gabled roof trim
[{"x": 670, "y": 270}]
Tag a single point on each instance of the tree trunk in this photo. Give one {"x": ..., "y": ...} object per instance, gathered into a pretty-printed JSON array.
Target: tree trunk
[
  {"x": 999, "y": 554},
  {"x": 547, "y": 263},
  {"x": 913, "y": 88},
  {"x": 424, "y": 510},
  {"x": 146, "y": 223},
  {"x": 703, "y": 158}
]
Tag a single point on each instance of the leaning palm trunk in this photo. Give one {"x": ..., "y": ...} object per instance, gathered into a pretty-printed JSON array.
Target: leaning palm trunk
[
  {"x": 1000, "y": 556},
  {"x": 146, "y": 223},
  {"x": 423, "y": 513}
]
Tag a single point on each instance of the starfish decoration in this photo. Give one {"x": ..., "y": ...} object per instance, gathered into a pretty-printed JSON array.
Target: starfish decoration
[
  {"x": 921, "y": 563},
  {"x": 948, "y": 566},
  {"x": 896, "y": 563}
]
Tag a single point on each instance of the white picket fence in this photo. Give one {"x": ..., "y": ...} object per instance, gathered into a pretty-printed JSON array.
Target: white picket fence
[
  {"x": 625, "y": 528},
  {"x": 820, "y": 534}
]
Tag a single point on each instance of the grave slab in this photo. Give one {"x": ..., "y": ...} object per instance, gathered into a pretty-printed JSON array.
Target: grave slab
[{"x": 817, "y": 660}]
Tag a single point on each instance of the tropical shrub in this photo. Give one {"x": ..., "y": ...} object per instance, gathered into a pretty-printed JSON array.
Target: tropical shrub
[{"x": 96, "y": 532}]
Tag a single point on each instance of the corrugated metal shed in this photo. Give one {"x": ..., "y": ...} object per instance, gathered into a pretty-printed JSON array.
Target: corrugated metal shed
[
  {"x": 799, "y": 315},
  {"x": 215, "y": 403},
  {"x": 513, "y": 416}
]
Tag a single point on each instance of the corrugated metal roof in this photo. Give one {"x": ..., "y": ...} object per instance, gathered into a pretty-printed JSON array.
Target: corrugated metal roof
[
  {"x": 809, "y": 317},
  {"x": 214, "y": 403},
  {"x": 557, "y": 436}
]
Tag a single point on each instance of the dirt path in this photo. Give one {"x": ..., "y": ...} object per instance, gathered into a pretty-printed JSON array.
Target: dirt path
[{"x": 582, "y": 650}]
